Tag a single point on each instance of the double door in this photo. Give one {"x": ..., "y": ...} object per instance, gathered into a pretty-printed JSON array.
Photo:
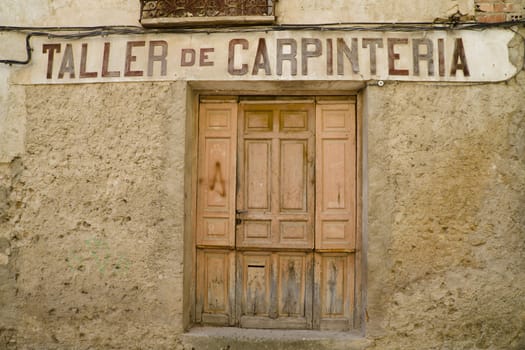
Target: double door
[{"x": 276, "y": 205}]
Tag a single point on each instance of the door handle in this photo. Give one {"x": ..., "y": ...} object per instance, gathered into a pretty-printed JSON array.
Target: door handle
[{"x": 238, "y": 220}]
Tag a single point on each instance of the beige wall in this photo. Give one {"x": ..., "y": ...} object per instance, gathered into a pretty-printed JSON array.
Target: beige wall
[
  {"x": 319, "y": 11},
  {"x": 126, "y": 12},
  {"x": 446, "y": 219},
  {"x": 69, "y": 12},
  {"x": 95, "y": 211}
]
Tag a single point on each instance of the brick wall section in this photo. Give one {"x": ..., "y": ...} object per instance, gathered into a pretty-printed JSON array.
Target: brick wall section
[{"x": 491, "y": 11}]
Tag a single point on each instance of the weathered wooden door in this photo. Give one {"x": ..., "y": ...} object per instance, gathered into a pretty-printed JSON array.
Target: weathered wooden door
[
  {"x": 275, "y": 215},
  {"x": 276, "y": 207}
]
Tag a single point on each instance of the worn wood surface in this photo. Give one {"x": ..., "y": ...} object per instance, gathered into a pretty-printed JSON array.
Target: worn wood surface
[
  {"x": 276, "y": 214},
  {"x": 216, "y": 175},
  {"x": 275, "y": 202},
  {"x": 335, "y": 176}
]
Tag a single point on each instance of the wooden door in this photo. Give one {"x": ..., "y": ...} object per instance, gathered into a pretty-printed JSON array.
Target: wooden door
[
  {"x": 215, "y": 227},
  {"x": 276, "y": 214},
  {"x": 335, "y": 223}
]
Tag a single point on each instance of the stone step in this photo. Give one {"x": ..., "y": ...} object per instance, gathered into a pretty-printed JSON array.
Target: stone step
[{"x": 229, "y": 338}]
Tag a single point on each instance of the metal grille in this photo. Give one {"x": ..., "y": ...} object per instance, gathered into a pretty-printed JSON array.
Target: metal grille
[{"x": 205, "y": 8}]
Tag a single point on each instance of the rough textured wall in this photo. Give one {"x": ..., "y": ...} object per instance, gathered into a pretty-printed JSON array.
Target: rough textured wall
[
  {"x": 446, "y": 230},
  {"x": 126, "y": 12},
  {"x": 91, "y": 225},
  {"x": 69, "y": 12},
  {"x": 319, "y": 11},
  {"x": 91, "y": 219}
]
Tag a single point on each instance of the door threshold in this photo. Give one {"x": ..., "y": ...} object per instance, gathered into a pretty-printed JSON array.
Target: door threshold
[{"x": 232, "y": 338}]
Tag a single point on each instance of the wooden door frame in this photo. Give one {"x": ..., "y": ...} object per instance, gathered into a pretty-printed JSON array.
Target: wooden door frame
[{"x": 194, "y": 99}]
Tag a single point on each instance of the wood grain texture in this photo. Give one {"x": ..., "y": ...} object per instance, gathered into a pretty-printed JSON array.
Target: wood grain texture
[
  {"x": 216, "y": 175},
  {"x": 335, "y": 177}
]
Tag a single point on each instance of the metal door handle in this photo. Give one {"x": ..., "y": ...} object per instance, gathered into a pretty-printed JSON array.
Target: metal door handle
[{"x": 238, "y": 220}]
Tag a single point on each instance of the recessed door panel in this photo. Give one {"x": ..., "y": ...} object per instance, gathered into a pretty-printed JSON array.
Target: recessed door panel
[
  {"x": 259, "y": 120},
  {"x": 255, "y": 284},
  {"x": 258, "y": 174},
  {"x": 292, "y": 272},
  {"x": 216, "y": 283},
  {"x": 216, "y": 171},
  {"x": 293, "y": 176},
  {"x": 334, "y": 292},
  {"x": 293, "y": 120},
  {"x": 275, "y": 290}
]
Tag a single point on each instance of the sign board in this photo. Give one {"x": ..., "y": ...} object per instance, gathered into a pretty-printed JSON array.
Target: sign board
[{"x": 449, "y": 56}]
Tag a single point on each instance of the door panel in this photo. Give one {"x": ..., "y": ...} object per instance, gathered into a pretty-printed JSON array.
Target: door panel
[
  {"x": 216, "y": 175},
  {"x": 275, "y": 203},
  {"x": 334, "y": 293},
  {"x": 294, "y": 278},
  {"x": 335, "y": 177},
  {"x": 255, "y": 284},
  {"x": 258, "y": 120},
  {"x": 215, "y": 226},
  {"x": 216, "y": 281},
  {"x": 293, "y": 176},
  {"x": 258, "y": 174},
  {"x": 275, "y": 290}
]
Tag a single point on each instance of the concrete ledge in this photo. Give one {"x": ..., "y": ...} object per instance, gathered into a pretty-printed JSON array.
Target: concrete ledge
[
  {"x": 199, "y": 21},
  {"x": 229, "y": 338}
]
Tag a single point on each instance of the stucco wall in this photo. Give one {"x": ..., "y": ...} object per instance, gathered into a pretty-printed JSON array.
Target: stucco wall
[
  {"x": 319, "y": 11},
  {"x": 446, "y": 232},
  {"x": 126, "y": 12},
  {"x": 92, "y": 226},
  {"x": 94, "y": 216}
]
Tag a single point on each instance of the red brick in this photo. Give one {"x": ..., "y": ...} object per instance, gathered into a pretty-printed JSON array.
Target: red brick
[
  {"x": 504, "y": 7},
  {"x": 491, "y": 18},
  {"x": 486, "y": 7}
]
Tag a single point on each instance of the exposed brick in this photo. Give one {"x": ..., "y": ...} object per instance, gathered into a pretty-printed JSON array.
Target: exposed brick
[
  {"x": 501, "y": 7},
  {"x": 485, "y": 7},
  {"x": 491, "y": 18},
  {"x": 490, "y": 11}
]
